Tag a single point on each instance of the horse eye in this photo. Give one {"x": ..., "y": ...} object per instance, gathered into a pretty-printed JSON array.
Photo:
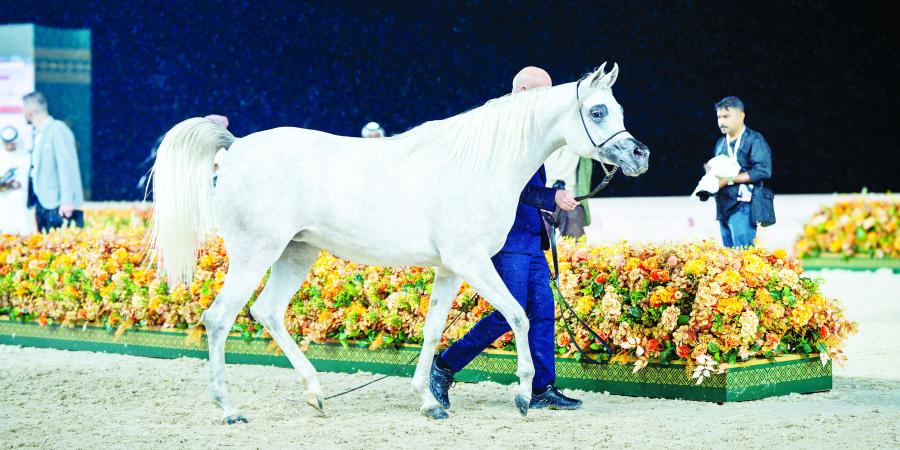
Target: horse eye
[{"x": 598, "y": 112}]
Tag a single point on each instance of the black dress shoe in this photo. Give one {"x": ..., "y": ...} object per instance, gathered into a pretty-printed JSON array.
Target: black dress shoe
[
  {"x": 440, "y": 381},
  {"x": 554, "y": 399}
]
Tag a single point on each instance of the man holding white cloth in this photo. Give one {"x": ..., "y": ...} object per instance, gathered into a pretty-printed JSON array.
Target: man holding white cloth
[{"x": 737, "y": 217}]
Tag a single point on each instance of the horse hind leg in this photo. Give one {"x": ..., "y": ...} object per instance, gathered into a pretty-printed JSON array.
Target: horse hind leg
[
  {"x": 287, "y": 274},
  {"x": 246, "y": 268}
]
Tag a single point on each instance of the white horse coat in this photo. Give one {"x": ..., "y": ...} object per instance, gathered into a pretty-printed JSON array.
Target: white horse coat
[{"x": 443, "y": 194}]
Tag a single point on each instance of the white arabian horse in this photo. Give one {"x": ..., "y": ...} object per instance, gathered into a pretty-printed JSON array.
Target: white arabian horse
[{"x": 443, "y": 194}]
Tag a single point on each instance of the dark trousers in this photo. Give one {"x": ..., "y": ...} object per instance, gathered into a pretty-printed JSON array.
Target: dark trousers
[
  {"x": 49, "y": 219},
  {"x": 528, "y": 278}
]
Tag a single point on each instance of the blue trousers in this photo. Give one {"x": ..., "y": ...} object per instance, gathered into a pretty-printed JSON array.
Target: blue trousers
[
  {"x": 528, "y": 279},
  {"x": 738, "y": 230}
]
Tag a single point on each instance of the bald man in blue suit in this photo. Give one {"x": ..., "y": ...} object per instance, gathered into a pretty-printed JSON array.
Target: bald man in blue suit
[{"x": 522, "y": 265}]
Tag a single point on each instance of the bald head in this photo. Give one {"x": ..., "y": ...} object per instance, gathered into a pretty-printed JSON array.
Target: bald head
[{"x": 529, "y": 78}]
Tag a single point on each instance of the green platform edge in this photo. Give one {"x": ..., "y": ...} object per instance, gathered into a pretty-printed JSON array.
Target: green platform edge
[
  {"x": 832, "y": 261},
  {"x": 751, "y": 381}
]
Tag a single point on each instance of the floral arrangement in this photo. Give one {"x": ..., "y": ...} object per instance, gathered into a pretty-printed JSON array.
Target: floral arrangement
[
  {"x": 700, "y": 302},
  {"x": 853, "y": 228},
  {"x": 696, "y": 302}
]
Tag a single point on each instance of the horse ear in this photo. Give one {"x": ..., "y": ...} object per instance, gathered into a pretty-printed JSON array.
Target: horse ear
[
  {"x": 612, "y": 75},
  {"x": 598, "y": 74},
  {"x": 600, "y": 78}
]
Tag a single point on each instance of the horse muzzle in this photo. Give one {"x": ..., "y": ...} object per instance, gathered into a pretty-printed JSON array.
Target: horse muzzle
[{"x": 632, "y": 156}]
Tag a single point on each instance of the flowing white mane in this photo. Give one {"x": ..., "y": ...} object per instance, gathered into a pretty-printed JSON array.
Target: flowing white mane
[{"x": 485, "y": 137}]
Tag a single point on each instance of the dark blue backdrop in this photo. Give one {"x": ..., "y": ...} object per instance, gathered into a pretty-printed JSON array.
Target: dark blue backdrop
[{"x": 818, "y": 78}]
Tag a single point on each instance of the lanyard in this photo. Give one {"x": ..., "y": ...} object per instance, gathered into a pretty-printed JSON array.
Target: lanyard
[{"x": 732, "y": 153}]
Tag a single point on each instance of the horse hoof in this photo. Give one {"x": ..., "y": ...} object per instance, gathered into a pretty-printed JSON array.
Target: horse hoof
[
  {"x": 522, "y": 404},
  {"x": 435, "y": 412},
  {"x": 316, "y": 401},
  {"x": 235, "y": 419}
]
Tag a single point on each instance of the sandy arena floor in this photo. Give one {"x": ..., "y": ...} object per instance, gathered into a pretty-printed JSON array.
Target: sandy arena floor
[{"x": 60, "y": 399}]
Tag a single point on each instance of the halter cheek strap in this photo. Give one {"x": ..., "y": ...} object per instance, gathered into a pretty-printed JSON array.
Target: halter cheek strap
[{"x": 609, "y": 172}]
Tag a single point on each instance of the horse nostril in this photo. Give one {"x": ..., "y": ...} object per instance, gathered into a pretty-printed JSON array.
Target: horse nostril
[{"x": 638, "y": 153}]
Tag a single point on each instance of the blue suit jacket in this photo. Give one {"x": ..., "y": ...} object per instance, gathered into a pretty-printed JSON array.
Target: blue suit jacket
[{"x": 528, "y": 233}]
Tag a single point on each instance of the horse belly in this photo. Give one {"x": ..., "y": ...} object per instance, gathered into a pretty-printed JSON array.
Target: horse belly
[{"x": 374, "y": 248}]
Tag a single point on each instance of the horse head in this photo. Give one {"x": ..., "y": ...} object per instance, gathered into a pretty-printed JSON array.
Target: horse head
[{"x": 598, "y": 130}]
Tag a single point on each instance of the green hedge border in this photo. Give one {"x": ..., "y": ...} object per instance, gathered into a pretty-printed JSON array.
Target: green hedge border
[
  {"x": 746, "y": 381},
  {"x": 834, "y": 261}
]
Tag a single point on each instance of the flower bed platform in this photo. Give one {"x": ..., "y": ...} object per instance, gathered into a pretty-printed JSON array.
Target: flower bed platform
[
  {"x": 835, "y": 261},
  {"x": 745, "y": 381}
]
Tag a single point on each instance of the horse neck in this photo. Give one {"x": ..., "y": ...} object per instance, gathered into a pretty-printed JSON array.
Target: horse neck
[{"x": 553, "y": 110}]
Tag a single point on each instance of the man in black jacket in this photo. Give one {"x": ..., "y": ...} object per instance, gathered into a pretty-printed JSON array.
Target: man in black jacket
[{"x": 750, "y": 150}]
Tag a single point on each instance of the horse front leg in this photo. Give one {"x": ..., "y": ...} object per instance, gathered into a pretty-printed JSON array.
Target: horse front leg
[
  {"x": 446, "y": 285},
  {"x": 483, "y": 277}
]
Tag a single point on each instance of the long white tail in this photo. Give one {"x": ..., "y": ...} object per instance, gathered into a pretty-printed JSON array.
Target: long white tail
[{"x": 182, "y": 191}]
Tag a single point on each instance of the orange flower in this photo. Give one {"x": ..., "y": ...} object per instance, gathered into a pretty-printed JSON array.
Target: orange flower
[
  {"x": 772, "y": 340},
  {"x": 661, "y": 276},
  {"x": 662, "y": 296}
]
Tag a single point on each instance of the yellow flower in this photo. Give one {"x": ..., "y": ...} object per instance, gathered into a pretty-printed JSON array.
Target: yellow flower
[
  {"x": 730, "y": 307},
  {"x": 730, "y": 280},
  {"x": 120, "y": 256},
  {"x": 584, "y": 304},
  {"x": 206, "y": 262},
  {"x": 763, "y": 297},
  {"x": 359, "y": 309},
  {"x": 105, "y": 290},
  {"x": 695, "y": 267},
  {"x": 632, "y": 264}
]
